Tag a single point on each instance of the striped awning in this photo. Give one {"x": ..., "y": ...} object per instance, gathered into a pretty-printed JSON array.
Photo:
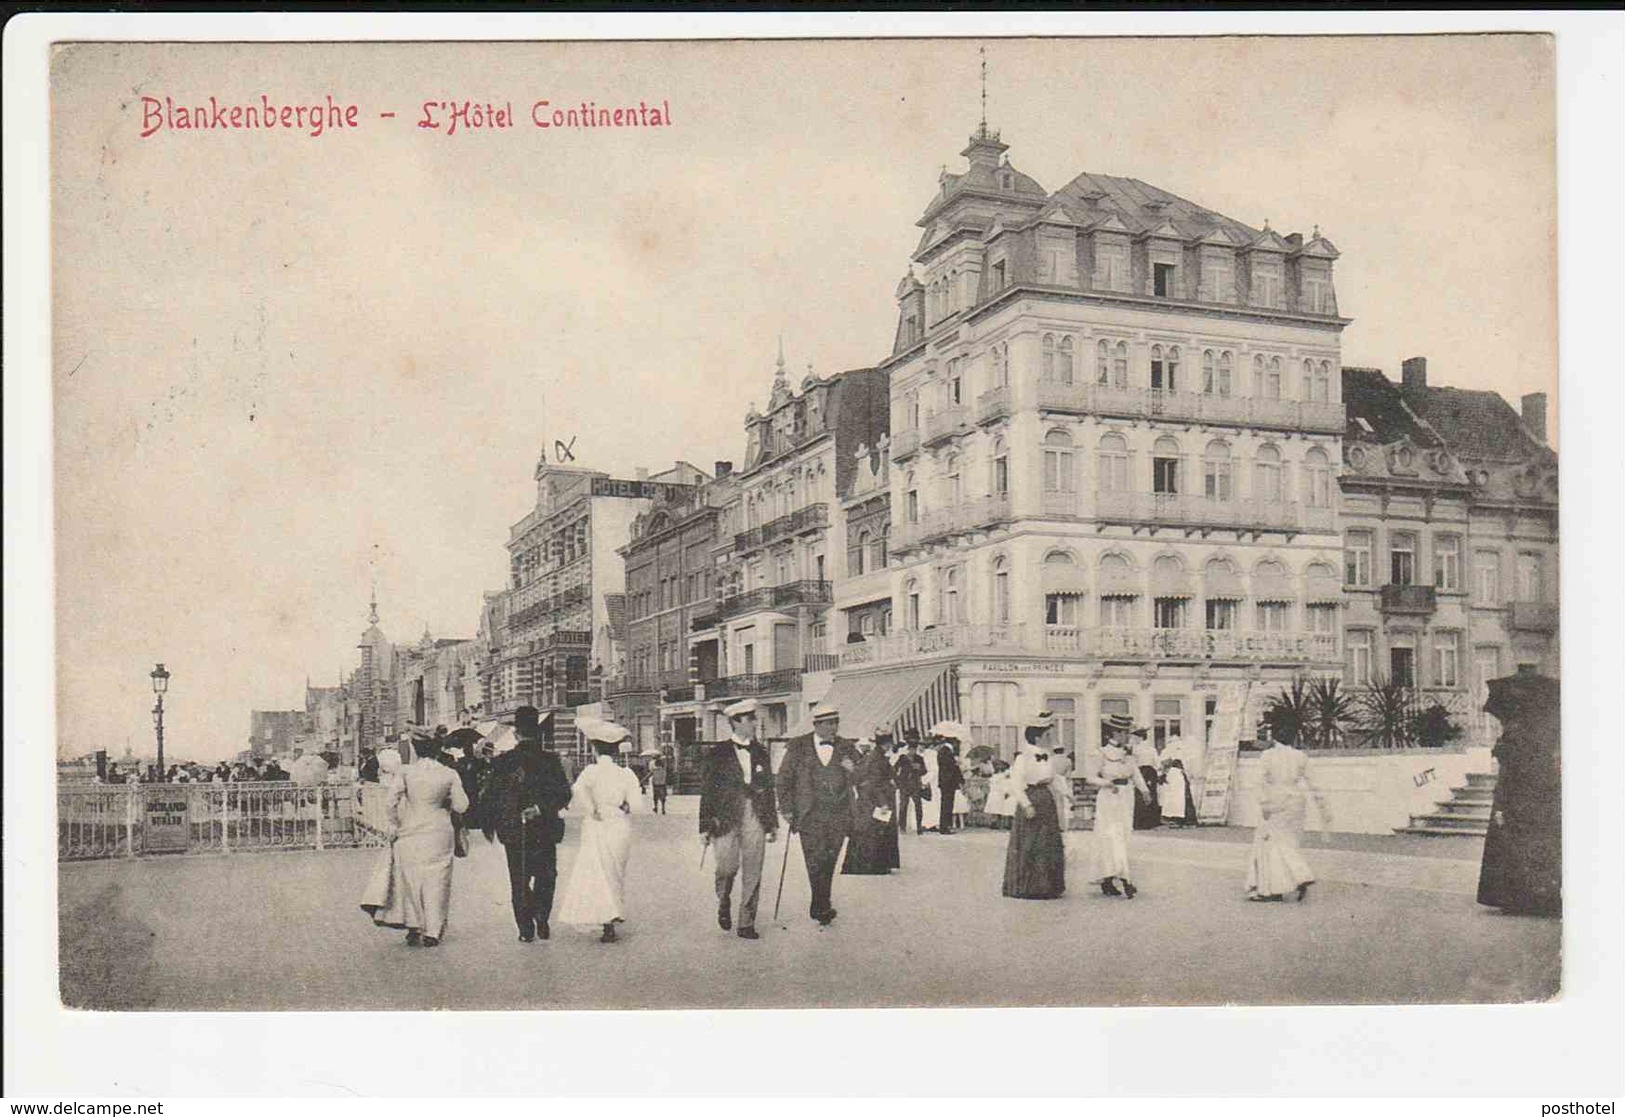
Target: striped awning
[{"x": 912, "y": 698}]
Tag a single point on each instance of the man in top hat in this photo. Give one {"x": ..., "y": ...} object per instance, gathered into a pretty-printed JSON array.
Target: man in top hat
[
  {"x": 738, "y": 814},
  {"x": 910, "y": 780},
  {"x": 816, "y": 793},
  {"x": 1147, "y": 811},
  {"x": 528, "y": 789},
  {"x": 950, "y": 777}
]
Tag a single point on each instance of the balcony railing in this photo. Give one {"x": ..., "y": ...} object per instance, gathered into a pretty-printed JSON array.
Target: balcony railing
[
  {"x": 707, "y": 618},
  {"x": 820, "y": 661},
  {"x": 1073, "y": 642},
  {"x": 904, "y": 443},
  {"x": 944, "y": 424},
  {"x": 547, "y": 606},
  {"x": 802, "y": 519},
  {"x": 1060, "y": 504},
  {"x": 1533, "y": 616},
  {"x": 1416, "y": 601},
  {"x": 775, "y": 597},
  {"x": 1189, "y": 510},
  {"x": 752, "y": 686},
  {"x": 1194, "y": 407},
  {"x": 938, "y": 523},
  {"x": 647, "y": 684},
  {"x": 993, "y": 404}
]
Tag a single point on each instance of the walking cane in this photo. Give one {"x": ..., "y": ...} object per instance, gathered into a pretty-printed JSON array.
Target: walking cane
[
  {"x": 705, "y": 847},
  {"x": 783, "y": 866}
]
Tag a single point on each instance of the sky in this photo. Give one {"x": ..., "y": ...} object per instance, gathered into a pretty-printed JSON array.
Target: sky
[{"x": 288, "y": 368}]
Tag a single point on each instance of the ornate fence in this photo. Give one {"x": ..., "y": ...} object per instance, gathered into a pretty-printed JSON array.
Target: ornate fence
[{"x": 135, "y": 820}]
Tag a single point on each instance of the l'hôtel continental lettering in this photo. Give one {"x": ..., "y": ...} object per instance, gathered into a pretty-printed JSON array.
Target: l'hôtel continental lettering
[{"x": 449, "y": 117}]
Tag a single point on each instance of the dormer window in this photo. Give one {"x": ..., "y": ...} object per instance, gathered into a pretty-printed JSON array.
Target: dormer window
[
  {"x": 998, "y": 276},
  {"x": 1162, "y": 280}
]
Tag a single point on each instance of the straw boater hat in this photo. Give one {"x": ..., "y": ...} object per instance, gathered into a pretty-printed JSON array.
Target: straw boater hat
[
  {"x": 741, "y": 708},
  {"x": 823, "y": 711},
  {"x": 602, "y": 732},
  {"x": 952, "y": 730}
]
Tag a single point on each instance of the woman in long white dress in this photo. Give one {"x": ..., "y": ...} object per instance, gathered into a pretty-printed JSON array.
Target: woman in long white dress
[
  {"x": 1275, "y": 864},
  {"x": 420, "y": 803},
  {"x": 1119, "y": 782},
  {"x": 605, "y": 793},
  {"x": 383, "y": 898},
  {"x": 929, "y": 790},
  {"x": 1001, "y": 800}
]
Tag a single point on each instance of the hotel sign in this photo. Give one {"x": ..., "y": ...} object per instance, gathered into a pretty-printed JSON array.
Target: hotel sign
[{"x": 637, "y": 490}]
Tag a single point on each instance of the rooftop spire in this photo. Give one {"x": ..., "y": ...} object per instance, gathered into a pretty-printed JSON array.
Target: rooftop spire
[
  {"x": 372, "y": 616},
  {"x": 982, "y": 133}
]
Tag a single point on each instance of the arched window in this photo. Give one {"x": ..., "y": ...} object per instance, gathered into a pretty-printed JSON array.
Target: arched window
[
  {"x": 1258, "y": 375},
  {"x": 999, "y": 483},
  {"x": 1103, "y": 363},
  {"x": 1210, "y": 383},
  {"x": 1059, "y": 476},
  {"x": 953, "y": 603},
  {"x": 1165, "y": 466},
  {"x": 791, "y": 493},
  {"x": 1046, "y": 358},
  {"x": 1267, "y": 472},
  {"x": 1165, "y": 368},
  {"x": 911, "y": 499},
  {"x": 1226, "y": 368},
  {"x": 1113, "y": 464},
  {"x": 911, "y": 605},
  {"x": 1318, "y": 472},
  {"x": 1171, "y": 369},
  {"x": 857, "y": 557},
  {"x": 1063, "y": 360},
  {"x": 1120, "y": 365},
  {"x": 1323, "y": 383},
  {"x": 1272, "y": 379},
  {"x": 1216, "y": 479},
  {"x": 1060, "y": 558},
  {"x": 1308, "y": 388},
  {"x": 1001, "y": 591},
  {"x": 1156, "y": 369},
  {"x": 952, "y": 490}
]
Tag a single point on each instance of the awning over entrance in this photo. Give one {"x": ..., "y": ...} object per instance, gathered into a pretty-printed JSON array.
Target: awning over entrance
[{"x": 913, "y": 698}]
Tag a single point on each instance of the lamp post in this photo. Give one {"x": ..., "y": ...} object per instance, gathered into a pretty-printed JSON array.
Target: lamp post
[{"x": 160, "y": 684}]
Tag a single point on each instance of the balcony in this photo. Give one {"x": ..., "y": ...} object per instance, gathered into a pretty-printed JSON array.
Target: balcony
[
  {"x": 993, "y": 405},
  {"x": 754, "y": 686},
  {"x": 1192, "y": 407},
  {"x": 904, "y": 444},
  {"x": 1186, "y": 510},
  {"x": 1533, "y": 616},
  {"x": 1060, "y": 504},
  {"x": 1409, "y": 601},
  {"x": 775, "y": 597},
  {"x": 547, "y": 606},
  {"x": 944, "y": 425},
  {"x": 939, "y": 523},
  {"x": 820, "y": 661},
  {"x": 802, "y": 519},
  {"x": 1073, "y": 642},
  {"x": 705, "y": 619}
]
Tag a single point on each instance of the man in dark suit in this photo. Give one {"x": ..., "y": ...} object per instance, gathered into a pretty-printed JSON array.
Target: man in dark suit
[
  {"x": 816, "y": 793},
  {"x": 910, "y": 779},
  {"x": 738, "y": 815},
  {"x": 528, "y": 789}
]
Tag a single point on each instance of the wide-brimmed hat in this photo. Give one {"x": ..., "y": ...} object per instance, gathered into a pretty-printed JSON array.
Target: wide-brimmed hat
[
  {"x": 741, "y": 708},
  {"x": 952, "y": 730},
  {"x": 602, "y": 732},
  {"x": 823, "y": 711},
  {"x": 1040, "y": 719}
]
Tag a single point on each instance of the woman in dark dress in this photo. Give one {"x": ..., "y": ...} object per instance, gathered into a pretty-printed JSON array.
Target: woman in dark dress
[
  {"x": 1522, "y": 870},
  {"x": 1035, "y": 861},
  {"x": 872, "y": 848}
]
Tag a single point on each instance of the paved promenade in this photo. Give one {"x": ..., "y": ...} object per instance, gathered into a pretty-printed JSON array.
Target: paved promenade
[{"x": 1390, "y": 921}]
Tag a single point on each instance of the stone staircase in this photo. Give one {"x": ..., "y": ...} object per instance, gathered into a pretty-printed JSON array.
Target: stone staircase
[{"x": 1467, "y": 811}]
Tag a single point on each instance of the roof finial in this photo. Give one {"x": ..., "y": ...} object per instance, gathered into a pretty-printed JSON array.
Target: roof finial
[
  {"x": 1266, "y": 224},
  {"x": 1316, "y": 234},
  {"x": 983, "y": 52},
  {"x": 372, "y": 616},
  {"x": 779, "y": 364}
]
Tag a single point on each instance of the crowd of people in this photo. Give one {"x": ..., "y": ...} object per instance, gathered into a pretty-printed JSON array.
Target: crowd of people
[
  {"x": 832, "y": 793},
  {"x": 242, "y": 771}
]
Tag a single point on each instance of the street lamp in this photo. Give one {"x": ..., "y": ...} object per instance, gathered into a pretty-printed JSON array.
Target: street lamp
[{"x": 160, "y": 683}]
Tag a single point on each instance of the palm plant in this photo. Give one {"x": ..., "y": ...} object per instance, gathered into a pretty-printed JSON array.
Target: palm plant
[
  {"x": 1289, "y": 714},
  {"x": 1331, "y": 712},
  {"x": 1385, "y": 710}
]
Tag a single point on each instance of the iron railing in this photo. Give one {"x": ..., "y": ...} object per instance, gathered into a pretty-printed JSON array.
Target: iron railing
[
  {"x": 1073, "y": 641},
  {"x": 775, "y": 597},
  {"x": 1195, "y": 407},
  {"x": 750, "y": 686}
]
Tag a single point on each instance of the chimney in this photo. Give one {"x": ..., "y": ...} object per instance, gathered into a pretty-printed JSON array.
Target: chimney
[
  {"x": 1415, "y": 375},
  {"x": 724, "y": 469},
  {"x": 1534, "y": 415}
]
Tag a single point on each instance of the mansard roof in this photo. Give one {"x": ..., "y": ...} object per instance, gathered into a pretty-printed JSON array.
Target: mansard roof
[
  {"x": 983, "y": 179},
  {"x": 1478, "y": 424},
  {"x": 1370, "y": 396},
  {"x": 1142, "y": 207}
]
